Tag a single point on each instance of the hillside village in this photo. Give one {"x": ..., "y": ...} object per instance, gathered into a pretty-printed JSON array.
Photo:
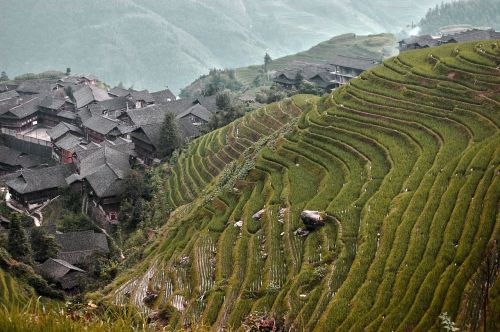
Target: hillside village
[
  {"x": 75, "y": 133},
  {"x": 95, "y": 135},
  {"x": 272, "y": 190}
]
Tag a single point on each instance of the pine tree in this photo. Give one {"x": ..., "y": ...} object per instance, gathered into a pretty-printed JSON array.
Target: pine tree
[
  {"x": 4, "y": 77},
  {"x": 44, "y": 245},
  {"x": 18, "y": 244},
  {"x": 170, "y": 136},
  {"x": 267, "y": 61}
]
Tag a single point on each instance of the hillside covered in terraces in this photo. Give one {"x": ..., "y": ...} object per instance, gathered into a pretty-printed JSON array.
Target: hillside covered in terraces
[{"x": 403, "y": 166}]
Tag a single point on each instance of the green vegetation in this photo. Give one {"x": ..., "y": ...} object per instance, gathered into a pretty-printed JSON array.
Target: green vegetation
[
  {"x": 170, "y": 136},
  {"x": 482, "y": 13},
  {"x": 404, "y": 160},
  {"x": 50, "y": 74},
  {"x": 249, "y": 80}
]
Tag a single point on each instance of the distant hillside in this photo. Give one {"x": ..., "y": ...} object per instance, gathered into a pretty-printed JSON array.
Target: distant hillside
[
  {"x": 150, "y": 44},
  {"x": 403, "y": 167},
  {"x": 478, "y": 13},
  {"x": 373, "y": 46}
]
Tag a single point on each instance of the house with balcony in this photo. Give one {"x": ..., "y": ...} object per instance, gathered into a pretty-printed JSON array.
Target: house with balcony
[{"x": 344, "y": 68}]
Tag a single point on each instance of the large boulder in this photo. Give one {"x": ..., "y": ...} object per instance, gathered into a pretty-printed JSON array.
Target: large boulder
[
  {"x": 258, "y": 214},
  {"x": 312, "y": 219}
]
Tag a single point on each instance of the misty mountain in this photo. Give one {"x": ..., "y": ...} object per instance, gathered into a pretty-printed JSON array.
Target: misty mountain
[{"x": 150, "y": 44}]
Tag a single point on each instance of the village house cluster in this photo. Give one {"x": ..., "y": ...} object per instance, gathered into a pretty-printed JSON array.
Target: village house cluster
[
  {"x": 447, "y": 36},
  {"x": 96, "y": 135},
  {"x": 338, "y": 72}
]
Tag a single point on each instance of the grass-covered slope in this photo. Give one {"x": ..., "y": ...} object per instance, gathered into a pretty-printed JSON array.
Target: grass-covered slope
[
  {"x": 372, "y": 46},
  {"x": 405, "y": 160}
]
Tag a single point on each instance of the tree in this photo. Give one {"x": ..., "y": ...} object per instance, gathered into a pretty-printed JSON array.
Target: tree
[
  {"x": 170, "y": 136},
  {"x": 4, "y": 77},
  {"x": 223, "y": 100},
  {"x": 299, "y": 76},
  {"x": 18, "y": 244},
  {"x": 68, "y": 71},
  {"x": 69, "y": 92},
  {"x": 44, "y": 245},
  {"x": 135, "y": 186},
  {"x": 267, "y": 61}
]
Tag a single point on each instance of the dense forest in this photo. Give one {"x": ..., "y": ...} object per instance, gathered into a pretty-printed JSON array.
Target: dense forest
[{"x": 484, "y": 13}]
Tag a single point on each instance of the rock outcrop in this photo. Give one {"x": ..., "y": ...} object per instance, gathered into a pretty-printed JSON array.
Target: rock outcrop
[{"x": 312, "y": 219}]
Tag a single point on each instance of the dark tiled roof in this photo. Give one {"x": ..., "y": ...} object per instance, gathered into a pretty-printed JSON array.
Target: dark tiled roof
[
  {"x": 354, "y": 62},
  {"x": 16, "y": 158},
  {"x": 51, "y": 102},
  {"x": 36, "y": 86},
  {"x": 119, "y": 92},
  {"x": 188, "y": 130},
  {"x": 210, "y": 103},
  {"x": 82, "y": 241},
  {"x": 69, "y": 115},
  {"x": 422, "y": 41},
  {"x": 34, "y": 180},
  {"x": 61, "y": 129},
  {"x": 8, "y": 95},
  {"x": 56, "y": 268},
  {"x": 28, "y": 107},
  {"x": 101, "y": 124},
  {"x": 89, "y": 77},
  {"x": 69, "y": 142},
  {"x": 323, "y": 79},
  {"x": 472, "y": 35},
  {"x": 88, "y": 94},
  {"x": 148, "y": 115},
  {"x": 114, "y": 104},
  {"x": 151, "y": 133},
  {"x": 163, "y": 96},
  {"x": 143, "y": 95},
  {"x": 196, "y": 110},
  {"x": 104, "y": 169}
]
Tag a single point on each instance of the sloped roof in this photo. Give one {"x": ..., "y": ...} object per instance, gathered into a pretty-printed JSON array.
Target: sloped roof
[
  {"x": 52, "y": 102},
  {"x": 89, "y": 77},
  {"x": 143, "y": 95},
  {"x": 14, "y": 158},
  {"x": 422, "y": 41},
  {"x": 163, "y": 96},
  {"x": 27, "y": 108},
  {"x": 197, "y": 110},
  {"x": 36, "y": 86},
  {"x": 82, "y": 241},
  {"x": 101, "y": 124},
  {"x": 87, "y": 94},
  {"x": 8, "y": 95},
  {"x": 188, "y": 130},
  {"x": 114, "y": 104},
  {"x": 34, "y": 180},
  {"x": 61, "y": 129},
  {"x": 148, "y": 115},
  {"x": 69, "y": 115},
  {"x": 104, "y": 169},
  {"x": 152, "y": 132},
  {"x": 119, "y": 92},
  {"x": 322, "y": 79},
  {"x": 69, "y": 142},
  {"x": 354, "y": 62},
  {"x": 472, "y": 35},
  {"x": 56, "y": 268}
]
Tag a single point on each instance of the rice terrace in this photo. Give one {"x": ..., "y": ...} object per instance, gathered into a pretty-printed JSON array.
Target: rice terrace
[{"x": 402, "y": 165}]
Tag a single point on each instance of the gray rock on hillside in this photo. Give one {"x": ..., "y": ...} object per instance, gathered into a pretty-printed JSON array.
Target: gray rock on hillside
[{"x": 312, "y": 219}]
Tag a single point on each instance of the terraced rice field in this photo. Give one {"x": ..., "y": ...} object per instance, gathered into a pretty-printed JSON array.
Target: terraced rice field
[{"x": 405, "y": 160}]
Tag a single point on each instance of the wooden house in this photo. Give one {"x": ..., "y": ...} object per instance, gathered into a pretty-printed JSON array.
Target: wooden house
[{"x": 30, "y": 186}]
